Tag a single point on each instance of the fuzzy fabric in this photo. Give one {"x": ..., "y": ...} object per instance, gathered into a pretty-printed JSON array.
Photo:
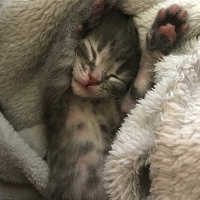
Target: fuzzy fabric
[
  {"x": 162, "y": 131},
  {"x": 161, "y": 136}
]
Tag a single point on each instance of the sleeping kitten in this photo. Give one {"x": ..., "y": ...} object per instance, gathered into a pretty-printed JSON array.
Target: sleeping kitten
[
  {"x": 82, "y": 124},
  {"x": 82, "y": 114}
]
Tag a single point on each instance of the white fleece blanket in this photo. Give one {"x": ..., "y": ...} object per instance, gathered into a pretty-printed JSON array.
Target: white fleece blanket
[{"x": 162, "y": 131}]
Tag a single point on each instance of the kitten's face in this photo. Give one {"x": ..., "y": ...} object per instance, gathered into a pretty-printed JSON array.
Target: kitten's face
[{"x": 98, "y": 74}]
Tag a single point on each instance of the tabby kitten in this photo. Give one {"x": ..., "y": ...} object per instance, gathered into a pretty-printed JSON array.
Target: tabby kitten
[
  {"x": 82, "y": 120},
  {"x": 82, "y": 123}
]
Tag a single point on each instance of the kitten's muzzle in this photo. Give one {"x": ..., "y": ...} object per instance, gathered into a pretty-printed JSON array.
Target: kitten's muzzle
[{"x": 87, "y": 81}]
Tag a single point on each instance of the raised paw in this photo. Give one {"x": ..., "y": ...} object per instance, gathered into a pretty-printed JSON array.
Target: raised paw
[{"x": 167, "y": 29}]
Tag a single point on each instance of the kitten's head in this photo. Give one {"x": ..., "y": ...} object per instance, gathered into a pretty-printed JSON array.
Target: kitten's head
[{"x": 107, "y": 59}]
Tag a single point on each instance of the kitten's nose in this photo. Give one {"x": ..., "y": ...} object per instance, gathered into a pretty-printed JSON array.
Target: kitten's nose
[{"x": 92, "y": 81}]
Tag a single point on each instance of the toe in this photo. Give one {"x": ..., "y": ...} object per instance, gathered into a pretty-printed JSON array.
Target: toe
[
  {"x": 174, "y": 9},
  {"x": 161, "y": 13},
  {"x": 183, "y": 14}
]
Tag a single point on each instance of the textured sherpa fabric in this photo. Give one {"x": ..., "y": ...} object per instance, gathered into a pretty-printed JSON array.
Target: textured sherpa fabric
[
  {"x": 162, "y": 134},
  {"x": 163, "y": 131}
]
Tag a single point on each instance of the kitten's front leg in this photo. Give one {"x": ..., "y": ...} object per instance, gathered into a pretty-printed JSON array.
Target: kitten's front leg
[{"x": 166, "y": 32}]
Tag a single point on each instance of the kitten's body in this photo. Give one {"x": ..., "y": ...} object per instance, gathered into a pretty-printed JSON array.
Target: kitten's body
[
  {"x": 77, "y": 153},
  {"x": 83, "y": 136},
  {"x": 83, "y": 118}
]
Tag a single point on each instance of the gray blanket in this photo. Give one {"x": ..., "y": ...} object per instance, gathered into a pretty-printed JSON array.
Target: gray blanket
[{"x": 150, "y": 135}]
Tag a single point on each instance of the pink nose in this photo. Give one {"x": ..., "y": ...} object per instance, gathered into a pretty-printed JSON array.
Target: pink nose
[
  {"x": 87, "y": 81},
  {"x": 92, "y": 81}
]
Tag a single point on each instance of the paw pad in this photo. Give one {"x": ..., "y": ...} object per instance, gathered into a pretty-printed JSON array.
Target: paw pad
[{"x": 167, "y": 29}]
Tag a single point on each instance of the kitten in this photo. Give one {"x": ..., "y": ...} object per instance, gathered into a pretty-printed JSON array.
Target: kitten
[
  {"x": 84, "y": 121},
  {"x": 83, "y": 109}
]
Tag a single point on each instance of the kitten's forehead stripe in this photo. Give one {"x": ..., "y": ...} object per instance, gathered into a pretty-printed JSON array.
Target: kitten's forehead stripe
[
  {"x": 89, "y": 49},
  {"x": 82, "y": 50},
  {"x": 93, "y": 51}
]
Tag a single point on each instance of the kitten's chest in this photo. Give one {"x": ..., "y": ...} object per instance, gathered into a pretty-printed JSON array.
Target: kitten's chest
[
  {"x": 91, "y": 117},
  {"x": 82, "y": 109}
]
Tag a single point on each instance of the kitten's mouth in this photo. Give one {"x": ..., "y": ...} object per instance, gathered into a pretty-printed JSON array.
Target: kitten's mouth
[
  {"x": 87, "y": 85},
  {"x": 80, "y": 85},
  {"x": 85, "y": 89}
]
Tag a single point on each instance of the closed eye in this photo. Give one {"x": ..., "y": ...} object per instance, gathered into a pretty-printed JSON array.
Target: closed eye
[{"x": 114, "y": 76}]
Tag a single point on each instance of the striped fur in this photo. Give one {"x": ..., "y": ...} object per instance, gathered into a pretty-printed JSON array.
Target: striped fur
[{"x": 81, "y": 124}]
